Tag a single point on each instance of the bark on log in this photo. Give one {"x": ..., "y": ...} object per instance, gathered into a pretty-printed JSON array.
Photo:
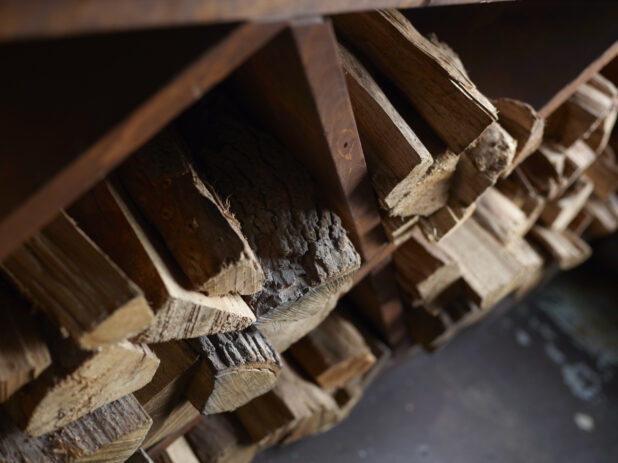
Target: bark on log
[{"x": 200, "y": 232}]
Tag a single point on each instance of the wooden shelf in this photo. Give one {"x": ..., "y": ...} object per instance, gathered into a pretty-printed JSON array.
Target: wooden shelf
[
  {"x": 54, "y": 18},
  {"x": 74, "y": 109},
  {"x": 535, "y": 52}
]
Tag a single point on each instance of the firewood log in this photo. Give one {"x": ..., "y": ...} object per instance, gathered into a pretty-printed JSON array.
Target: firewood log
[
  {"x": 178, "y": 452},
  {"x": 196, "y": 226},
  {"x": 111, "y": 220},
  {"x": 61, "y": 270},
  {"x": 565, "y": 247},
  {"x": 604, "y": 174},
  {"x": 561, "y": 211}
]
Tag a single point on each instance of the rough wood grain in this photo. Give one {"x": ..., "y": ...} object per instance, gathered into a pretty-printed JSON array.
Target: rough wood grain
[
  {"x": 61, "y": 270},
  {"x": 299, "y": 241},
  {"x": 23, "y": 350},
  {"x": 565, "y": 247},
  {"x": 424, "y": 269},
  {"x": 109, "y": 434},
  {"x": 545, "y": 170},
  {"x": 221, "y": 439},
  {"x": 235, "y": 368},
  {"x": 559, "y": 213},
  {"x": 294, "y": 409},
  {"x": 441, "y": 92},
  {"x": 182, "y": 415},
  {"x": 200, "y": 232},
  {"x": 604, "y": 174},
  {"x": 523, "y": 123},
  {"x": 78, "y": 382},
  {"x": 398, "y": 229},
  {"x": 333, "y": 353},
  {"x": 487, "y": 268},
  {"x": 110, "y": 219},
  {"x": 519, "y": 191},
  {"x": 395, "y": 156}
]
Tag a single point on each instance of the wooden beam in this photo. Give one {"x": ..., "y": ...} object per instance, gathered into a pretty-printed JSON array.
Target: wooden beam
[{"x": 111, "y": 128}]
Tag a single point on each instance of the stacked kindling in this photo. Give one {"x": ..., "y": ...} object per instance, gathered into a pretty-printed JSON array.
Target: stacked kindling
[{"x": 197, "y": 289}]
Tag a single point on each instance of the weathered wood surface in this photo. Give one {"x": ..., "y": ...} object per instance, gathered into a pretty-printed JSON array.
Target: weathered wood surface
[
  {"x": 200, "y": 232},
  {"x": 111, "y": 220},
  {"x": 487, "y": 268},
  {"x": 298, "y": 88},
  {"x": 440, "y": 91},
  {"x": 295, "y": 408},
  {"x": 173, "y": 424},
  {"x": 395, "y": 156},
  {"x": 109, "y": 434},
  {"x": 299, "y": 241},
  {"x": 523, "y": 123},
  {"x": 62, "y": 271},
  {"x": 333, "y": 353},
  {"x": 23, "y": 350},
  {"x": 559, "y": 213},
  {"x": 565, "y": 247},
  {"x": 398, "y": 229},
  {"x": 221, "y": 439},
  {"x": 79, "y": 382},
  {"x": 424, "y": 269},
  {"x": 234, "y": 369}
]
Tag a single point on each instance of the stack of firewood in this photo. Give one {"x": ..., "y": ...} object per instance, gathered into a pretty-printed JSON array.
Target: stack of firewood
[{"x": 201, "y": 277}]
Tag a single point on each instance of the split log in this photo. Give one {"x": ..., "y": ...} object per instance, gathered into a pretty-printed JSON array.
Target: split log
[
  {"x": 221, "y": 439},
  {"x": 488, "y": 270},
  {"x": 109, "y": 434},
  {"x": 61, "y": 270},
  {"x": 604, "y": 174},
  {"x": 523, "y": 124},
  {"x": 396, "y": 158},
  {"x": 424, "y": 269},
  {"x": 23, "y": 351},
  {"x": 399, "y": 229},
  {"x": 545, "y": 170},
  {"x": 441, "y": 92},
  {"x": 532, "y": 263},
  {"x": 599, "y": 138},
  {"x": 565, "y": 247},
  {"x": 482, "y": 164},
  {"x": 294, "y": 409},
  {"x": 333, "y": 353},
  {"x": 497, "y": 214},
  {"x": 300, "y": 243},
  {"x": 603, "y": 214},
  {"x": 579, "y": 157},
  {"x": 78, "y": 382},
  {"x": 178, "y": 363},
  {"x": 234, "y": 369},
  {"x": 178, "y": 452},
  {"x": 197, "y": 228},
  {"x": 183, "y": 414},
  {"x": 559, "y": 213},
  {"x": 110, "y": 219},
  {"x": 580, "y": 115},
  {"x": 445, "y": 220},
  {"x": 519, "y": 191}
]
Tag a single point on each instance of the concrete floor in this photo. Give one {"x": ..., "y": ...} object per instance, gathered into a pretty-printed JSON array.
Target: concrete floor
[{"x": 535, "y": 385}]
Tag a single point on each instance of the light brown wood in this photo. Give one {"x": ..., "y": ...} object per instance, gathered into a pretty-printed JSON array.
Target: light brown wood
[
  {"x": 445, "y": 220},
  {"x": 78, "y": 382},
  {"x": 604, "y": 173},
  {"x": 333, "y": 353},
  {"x": 178, "y": 452},
  {"x": 565, "y": 247},
  {"x": 305, "y": 253},
  {"x": 398, "y": 229},
  {"x": 23, "y": 351},
  {"x": 198, "y": 229},
  {"x": 545, "y": 170},
  {"x": 482, "y": 164},
  {"x": 603, "y": 214},
  {"x": 559, "y": 213},
  {"x": 487, "y": 268},
  {"x": 580, "y": 115},
  {"x": 578, "y": 158},
  {"x": 440, "y": 91},
  {"x": 61, "y": 270},
  {"x": 523, "y": 123},
  {"x": 531, "y": 261},
  {"x": 180, "y": 416},
  {"x": 396, "y": 158},
  {"x": 109, "y": 434},
  {"x": 599, "y": 138},
  {"x": 221, "y": 439},
  {"x": 497, "y": 214},
  {"x": 424, "y": 269},
  {"x": 294, "y": 409},
  {"x": 234, "y": 369},
  {"x": 111, "y": 220}
]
